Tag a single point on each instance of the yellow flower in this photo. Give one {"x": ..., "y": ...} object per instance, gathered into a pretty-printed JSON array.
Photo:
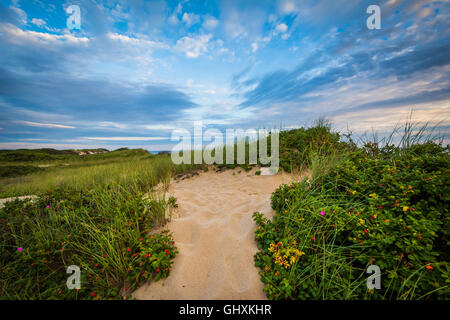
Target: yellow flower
[
  {"x": 272, "y": 247},
  {"x": 285, "y": 256},
  {"x": 405, "y": 208}
]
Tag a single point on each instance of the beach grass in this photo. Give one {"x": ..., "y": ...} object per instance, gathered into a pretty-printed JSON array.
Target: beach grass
[
  {"x": 142, "y": 172},
  {"x": 104, "y": 218}
]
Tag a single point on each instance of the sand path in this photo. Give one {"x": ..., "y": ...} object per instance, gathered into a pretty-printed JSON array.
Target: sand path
[
  {"x": 214, "y": 232},
  {"x": 3, "y": 201}
]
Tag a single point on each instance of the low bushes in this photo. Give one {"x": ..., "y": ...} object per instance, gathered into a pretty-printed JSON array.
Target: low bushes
[
  {"x": 299, "y": 147},
  {"x": 383, "y": 206},
  {"x": 104, "y": 232},
  {"x": 15, "y": 171}
]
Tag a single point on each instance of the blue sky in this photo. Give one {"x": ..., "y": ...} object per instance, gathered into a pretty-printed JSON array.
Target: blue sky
[{"x": 138, "y": 69}]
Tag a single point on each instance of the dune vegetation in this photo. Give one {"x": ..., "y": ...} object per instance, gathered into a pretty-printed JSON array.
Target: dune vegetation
[
  {"x": 380, "y": 204},
  {"x": 370, "y": 203},
  {"x": 136, "y": 167},
  {"x": 97, "y": 213}
]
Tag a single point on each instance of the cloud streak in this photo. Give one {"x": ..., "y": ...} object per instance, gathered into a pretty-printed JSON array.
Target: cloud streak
[
  {"x": 44, "y": 125},
  {"x": 127, "y": 138}
]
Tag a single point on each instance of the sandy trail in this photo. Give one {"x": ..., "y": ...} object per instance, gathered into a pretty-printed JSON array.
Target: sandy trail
[
  {"x": 214, "y": 232},
  {"x": 3, "y": 201}
]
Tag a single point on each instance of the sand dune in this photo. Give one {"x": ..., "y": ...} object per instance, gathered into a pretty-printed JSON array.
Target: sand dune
[{"x": 213, "y": 230}]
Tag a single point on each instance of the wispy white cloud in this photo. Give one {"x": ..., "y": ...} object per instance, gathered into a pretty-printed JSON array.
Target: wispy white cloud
[
  {"x": 255, "y": 46},
  {"x": 210, "y": 23},
  {"x": 190, "y": 19},
  {"x": 126, "y": 138},
  {"x": 162, "y": 127},
  {"x": 173, "y": 19},
  {"x": 43, "y": 24},
  {"x": 22, "y": 14},
  {"x": 38, "y": 22},
  {"x": 436, "y": 113},
  {"x": 288, "y": 7},
  {"x": 38, "y": 116},
  {"x": 193, "y": 47},
  {"x": 112, "y": 125},
  {"x": 44, "y": 125},
  {"x": 19, "y": 36},
  {"x": 261, "y": 42},
  {"x": 282, "y": 27},
  {"x": 136, "y": 42}
]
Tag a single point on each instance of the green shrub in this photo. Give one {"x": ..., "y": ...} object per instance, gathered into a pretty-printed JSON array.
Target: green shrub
[
  {"x": 298, "y": 147},
  {"x": 383, "y": 206},
  {"x": 104, "y": 232},
  {"x": 15, "y": 171}
]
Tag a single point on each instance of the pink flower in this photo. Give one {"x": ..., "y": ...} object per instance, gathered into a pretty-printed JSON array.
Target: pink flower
[
  {"x": 322, "y": 213},
  {"x": 19, "y": 249},
  {"x": 298, "y": 181},
  {"x": 48, "y": 207}
]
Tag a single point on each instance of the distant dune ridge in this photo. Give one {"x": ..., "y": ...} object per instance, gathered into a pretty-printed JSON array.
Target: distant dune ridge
[{"x": 28, "y": 155}]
